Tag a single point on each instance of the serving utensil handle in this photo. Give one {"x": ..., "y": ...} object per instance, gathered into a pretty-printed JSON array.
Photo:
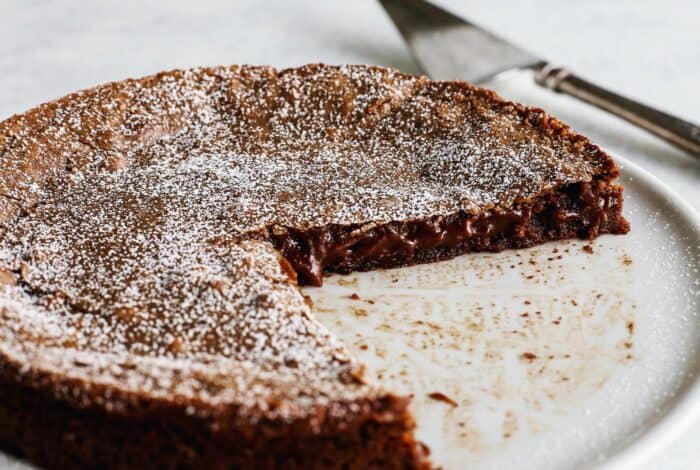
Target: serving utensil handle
[{"x": 683, "y": 134}]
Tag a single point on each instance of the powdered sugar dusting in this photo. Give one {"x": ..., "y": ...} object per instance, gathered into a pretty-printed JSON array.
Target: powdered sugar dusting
[{"x": 137, "y": 215}]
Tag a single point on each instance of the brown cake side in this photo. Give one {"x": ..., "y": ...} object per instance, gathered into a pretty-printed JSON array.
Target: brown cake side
[
  {"x": 146, "y": 314},
  {"x": 55, "y": 434},
  {"x": 579, "y": 210}
]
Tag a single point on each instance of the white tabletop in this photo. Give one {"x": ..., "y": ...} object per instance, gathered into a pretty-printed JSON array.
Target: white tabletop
[{"x": 645, "y": 49}]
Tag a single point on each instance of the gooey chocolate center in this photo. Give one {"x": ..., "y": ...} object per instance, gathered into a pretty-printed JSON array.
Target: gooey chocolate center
[{"x": 344, "y": 249}]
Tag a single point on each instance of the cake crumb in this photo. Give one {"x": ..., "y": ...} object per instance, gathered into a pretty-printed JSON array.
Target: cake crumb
[
  {"x": 360, "y": 312},
  {"x": 528, "y": 356},
  {"x": 438, "y": 396}
]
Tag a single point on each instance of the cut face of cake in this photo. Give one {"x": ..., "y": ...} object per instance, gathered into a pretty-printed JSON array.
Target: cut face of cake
[{"x": 153, "y": 232}]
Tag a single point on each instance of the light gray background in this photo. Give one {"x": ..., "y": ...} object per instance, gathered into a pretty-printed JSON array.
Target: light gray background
[{"x": 644, "y": 48}]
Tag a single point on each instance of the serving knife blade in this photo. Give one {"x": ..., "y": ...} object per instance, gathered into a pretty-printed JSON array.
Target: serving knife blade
[{"x": 447, "y": 47}]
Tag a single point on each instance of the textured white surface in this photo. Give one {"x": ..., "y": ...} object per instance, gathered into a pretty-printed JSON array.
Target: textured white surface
[{"x": 647, "y": 49}]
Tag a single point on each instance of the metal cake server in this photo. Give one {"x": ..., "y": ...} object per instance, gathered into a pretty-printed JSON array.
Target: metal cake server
[{"x": 447, "y": 47}]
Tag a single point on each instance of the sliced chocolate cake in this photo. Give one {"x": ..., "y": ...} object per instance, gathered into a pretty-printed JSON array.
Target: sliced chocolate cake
[{"x": 153, "y": 230}]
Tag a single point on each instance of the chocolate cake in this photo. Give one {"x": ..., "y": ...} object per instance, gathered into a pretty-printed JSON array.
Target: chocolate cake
[{"x": 153, "y": 231}]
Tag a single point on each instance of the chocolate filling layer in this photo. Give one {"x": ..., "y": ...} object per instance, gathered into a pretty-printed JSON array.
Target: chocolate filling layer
[{"x": 580, "y": 209}]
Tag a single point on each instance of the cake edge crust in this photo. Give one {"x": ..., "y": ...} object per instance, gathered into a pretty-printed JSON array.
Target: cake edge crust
[{"x": 40, "y": 394}]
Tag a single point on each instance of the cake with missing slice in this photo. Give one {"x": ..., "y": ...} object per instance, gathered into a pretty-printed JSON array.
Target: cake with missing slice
[{"x": 153, "y": 232}]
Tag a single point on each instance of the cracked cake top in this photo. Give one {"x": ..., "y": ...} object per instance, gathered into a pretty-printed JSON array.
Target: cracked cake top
[{"x": 135, "y": 216}]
